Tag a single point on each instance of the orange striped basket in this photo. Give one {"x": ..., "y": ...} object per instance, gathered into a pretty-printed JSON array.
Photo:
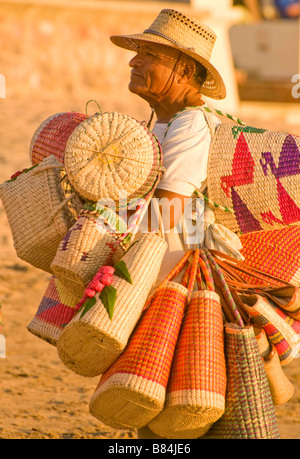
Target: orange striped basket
[
  {"x": 276, "y": 252},
  {"x": 90, "y": 343},
  {"x": 196, "y": 390},
  {"x": 51, "y": 137},
  {"x": 132, "y": 391}
]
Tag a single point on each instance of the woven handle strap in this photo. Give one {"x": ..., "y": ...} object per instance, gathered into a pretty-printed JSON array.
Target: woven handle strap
[
  {"x": 225, "y": 289},
  {"x": 205, "y": 268},
  {"x": 247, "y": 269},
  {"x": 60, "y": 207}
]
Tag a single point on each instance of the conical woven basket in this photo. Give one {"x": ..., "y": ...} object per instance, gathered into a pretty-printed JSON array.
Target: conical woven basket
[
  {"x": 55, "y": 311},
  {"x": 282, "y": 330},
  {"x": 110, "y": 155},
  {"x": 132, "y": 391},
  {"x": 256, "y": 173},
  {"x": 90, "y": 344},
  {"x": 281, "y": 387},
  {"x": 37, "y": 212},
  {"x": 51, "y": 137},
  {"x": 196, "y": 389},
  {"x": 90, "y": 243},
  {"x": 249, "y": 412}
]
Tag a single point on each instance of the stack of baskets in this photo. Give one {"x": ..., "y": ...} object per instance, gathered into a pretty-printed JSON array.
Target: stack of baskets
[{"x": 63, "y": 210}]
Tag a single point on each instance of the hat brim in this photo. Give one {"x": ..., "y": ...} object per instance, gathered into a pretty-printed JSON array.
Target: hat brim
[{"x": 213, "y": 86}]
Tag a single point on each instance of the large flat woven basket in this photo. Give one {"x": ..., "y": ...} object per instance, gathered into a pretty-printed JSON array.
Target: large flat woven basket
[
  {"x": 110, "y": 155},
  {"x": 51, "y": 137},
  {"x": 91, "y": 343},
  {"x": 256, "y": 173},
  {"x": 37, "y": 212}
]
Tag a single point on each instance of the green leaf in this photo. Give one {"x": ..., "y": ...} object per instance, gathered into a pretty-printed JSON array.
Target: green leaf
[
  {"x": 108, "y": 297},
  {"x": 122, "y": 271},
  {"x": 87, "y": 306}
]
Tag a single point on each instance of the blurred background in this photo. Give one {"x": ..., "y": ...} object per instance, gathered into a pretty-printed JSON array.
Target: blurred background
[{"x": 55, "y": 55}]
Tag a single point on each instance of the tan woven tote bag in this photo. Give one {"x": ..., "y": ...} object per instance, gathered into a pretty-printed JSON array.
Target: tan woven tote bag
[
  {"x": 90, "y": 344},
  {"x": 132, "y": 391},
  {"x": 37, "y": 212},
  {"x": 90, "y": 243}
]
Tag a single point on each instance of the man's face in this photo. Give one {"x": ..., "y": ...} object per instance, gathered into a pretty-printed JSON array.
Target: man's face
[{"x": 151, "y": 70}]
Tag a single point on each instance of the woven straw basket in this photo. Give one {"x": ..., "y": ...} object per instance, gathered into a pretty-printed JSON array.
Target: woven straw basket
[
  {"x": 282, "y": 330},
  {"x": 56, "y": 310},
  {"x": 258, "y": 177},
  {"x": 281, "y": 387},
  {"x": 249, "y": 412},
  {"x": 90, "y": 243},
  {"x": 52, "y": 135},
  {"x": 132, "y": 391},
  {"x": 196, "y": 390},
  {"x": 37, "y": 213},
  {"x": 90, "y": 344},
  {"x": 276, "y": 252},
  {"x": 111, "y": 154}
]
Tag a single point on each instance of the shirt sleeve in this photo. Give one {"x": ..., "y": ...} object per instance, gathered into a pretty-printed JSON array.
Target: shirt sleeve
[{"x": 185, "y": 153}]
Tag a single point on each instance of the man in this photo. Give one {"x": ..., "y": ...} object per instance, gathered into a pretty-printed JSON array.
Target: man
[{"x": 171, "y": 71}]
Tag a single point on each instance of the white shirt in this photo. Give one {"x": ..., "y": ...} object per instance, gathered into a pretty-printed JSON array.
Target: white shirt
[{"x": 185, "y": 147}]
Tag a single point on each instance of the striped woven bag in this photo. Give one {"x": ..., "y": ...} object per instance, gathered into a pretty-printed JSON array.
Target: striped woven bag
[
  {"x": 282, "y": 330},
  {"x": 56, "y": 309},
  {"x": 132, "y": 391},
  {"x": 249, "y": 410},
  {"x": 51, "y": 137},
  {"x": 90, "y": 343},
  {"x": 275, "y": 252},
  {"x": 90, "y": 243},
  {"x": 195, "y": 397}
]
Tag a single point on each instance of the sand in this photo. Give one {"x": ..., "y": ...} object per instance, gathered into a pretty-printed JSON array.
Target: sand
[{"x": 40, "y": 397}]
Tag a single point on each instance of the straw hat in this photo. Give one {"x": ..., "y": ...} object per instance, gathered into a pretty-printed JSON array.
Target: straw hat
[{"x": 186, "y": 34}]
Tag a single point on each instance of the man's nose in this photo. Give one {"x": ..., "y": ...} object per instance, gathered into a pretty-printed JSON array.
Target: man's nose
[{"x": 135, "y": 60}]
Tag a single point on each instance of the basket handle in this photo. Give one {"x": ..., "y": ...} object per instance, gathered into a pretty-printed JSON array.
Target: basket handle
[
  {"x": 225, "y": 289},
  {"x": 60, "y": 207}
]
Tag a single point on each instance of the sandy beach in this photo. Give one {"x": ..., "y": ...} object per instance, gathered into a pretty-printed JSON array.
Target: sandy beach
[{"x": 40, "y": 397}]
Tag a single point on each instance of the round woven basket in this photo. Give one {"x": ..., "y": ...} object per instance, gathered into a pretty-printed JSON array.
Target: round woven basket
[
  {"x": 51, "y": 137},
  {"x": 111, "y": 154}
]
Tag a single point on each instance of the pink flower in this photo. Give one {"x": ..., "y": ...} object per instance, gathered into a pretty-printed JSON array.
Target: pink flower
[
  {"x": 89, "y": 293},
  {"x": 96, "y": 285},
  {"x": 108, "y": 270},
  {"x": 106, "y": 279}
]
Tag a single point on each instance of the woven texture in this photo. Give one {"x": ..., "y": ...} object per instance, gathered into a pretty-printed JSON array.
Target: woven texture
[
  {"x": 52, "y": 135},
  {"x": 276, "y": 252},
  {"x": 38, "y": 218},
  {"x": 111, "y": 154},
  {"x": 56, "y": 310},
  {"x": 281, "y": 388},
  {"x": 89, "y": 244},
  {"x": 258, "y": 177},
  {"x": 133, "y": 389},
  {"x": 249, "y": 412},
  {"x": 282, "y": 330},
  {"x": 195, "y": 397},
  {"x": 90, "y": 344}
]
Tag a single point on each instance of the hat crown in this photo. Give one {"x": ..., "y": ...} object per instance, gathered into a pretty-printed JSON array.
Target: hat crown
[{"x": 184, "y": 31}]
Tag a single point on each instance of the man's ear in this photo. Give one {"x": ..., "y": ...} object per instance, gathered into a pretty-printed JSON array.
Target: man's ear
[{"x": 186, "y": 71}]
